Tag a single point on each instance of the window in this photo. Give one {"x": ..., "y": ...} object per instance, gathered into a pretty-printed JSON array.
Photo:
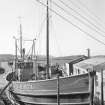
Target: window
[{"x": 78, "y": 71}]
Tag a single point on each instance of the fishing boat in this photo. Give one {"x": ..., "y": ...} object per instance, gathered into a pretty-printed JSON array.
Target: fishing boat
[{"x": 28, "y": 89}]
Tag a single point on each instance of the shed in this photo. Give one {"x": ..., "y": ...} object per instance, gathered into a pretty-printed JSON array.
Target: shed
[{"x": 95, "y": 63}]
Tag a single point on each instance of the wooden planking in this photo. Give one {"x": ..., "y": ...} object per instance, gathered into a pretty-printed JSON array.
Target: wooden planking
[
  {"x": 72, "y": 98},
  {"x": 67, "y": 85},
  {"x": 53, "y": 95},
  {"x": 74, "y": 90},
  {"x": 83, "y": 103}
]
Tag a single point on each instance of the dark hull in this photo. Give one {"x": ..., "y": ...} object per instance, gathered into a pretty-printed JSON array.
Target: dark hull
[{"x": 74, "y": 90}]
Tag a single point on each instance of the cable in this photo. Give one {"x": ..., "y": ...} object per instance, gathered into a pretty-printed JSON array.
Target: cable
[
  {"x": 81, "y": 16},
  {"x": 53, "y": 31},
  {"x": 39, "y": 34},
  {"x": 77, "y": 19},
  {"x": 91, "y": 12},
  {"x": 41, "y": 28},
  {"x": 94, "y": 17},
  {"x": 57, "y": 42},
  {"x": 29, "y": 52},
  {"x": 71, "y": 23}
]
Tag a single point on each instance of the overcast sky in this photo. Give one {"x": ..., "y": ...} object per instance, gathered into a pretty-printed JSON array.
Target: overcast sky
[{"x": 65, "y": 39}]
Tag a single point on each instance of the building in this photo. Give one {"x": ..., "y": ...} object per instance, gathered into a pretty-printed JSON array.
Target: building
[
  {"x": 97, "y": 64},
  {"x": 65, "y": 63}
]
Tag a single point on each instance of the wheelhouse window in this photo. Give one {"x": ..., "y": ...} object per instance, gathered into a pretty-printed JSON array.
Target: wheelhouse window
[{"x": 25, "y": 65}]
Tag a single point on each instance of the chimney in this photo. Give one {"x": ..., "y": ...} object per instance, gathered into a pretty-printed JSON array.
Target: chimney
[{"x": 88, "y": 53}]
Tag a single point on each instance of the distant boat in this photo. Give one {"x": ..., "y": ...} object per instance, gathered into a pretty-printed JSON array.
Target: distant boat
[{"x": 28, "y": 89}]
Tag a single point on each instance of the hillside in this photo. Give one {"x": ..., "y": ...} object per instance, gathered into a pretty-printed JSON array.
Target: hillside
[{"x": 6, "y": 57}]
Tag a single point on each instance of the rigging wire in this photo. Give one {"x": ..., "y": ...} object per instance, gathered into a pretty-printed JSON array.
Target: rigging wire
[
  {"x": 29, "y": 51},
  {"x": 56, "y": 41},
  {"x": 18, "y": 47},
  {"x": 41, "y": 28},
  {"x": 91, "y": 12},
  {"x": 92, "y": 15},
  {"x": 39, "y": 34},
  {"x": 53, "y": 30},
  {"x": 78, "y": 19},
  {"x": 88, "y": 34},
  {"x": 81, "y": 15}
]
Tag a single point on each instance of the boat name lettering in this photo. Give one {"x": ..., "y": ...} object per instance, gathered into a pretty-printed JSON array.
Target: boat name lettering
[{"x": 25, "y": 86}]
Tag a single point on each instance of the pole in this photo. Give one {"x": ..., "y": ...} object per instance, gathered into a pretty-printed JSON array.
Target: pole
[
  {"x": 21, "y": 40},
  {"x": 15, "y": 52},
  {"x": 32, "y": 54},
  {"x": 58, "y": 90},
  {"x": 91, "y": 86},
  {"x": 102, "y": 98},
  {"x": 35, "y": 60},
  {"x": 34, "y": 48},
  {"x": 88, "y": 51},
  {"x": 15, "y": 48},
  {"x": 47, "y": 41}
]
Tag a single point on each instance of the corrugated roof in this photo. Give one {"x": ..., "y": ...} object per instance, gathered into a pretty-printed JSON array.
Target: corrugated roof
[
  {"x": 62, "y": 60},
  {"x": 96, "y": 63}
]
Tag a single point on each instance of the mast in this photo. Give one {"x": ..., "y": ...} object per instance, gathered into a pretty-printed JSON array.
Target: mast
[
  {"x": 16, "y": 48},
  {"x": 15, "y": 52},
  {"x": 47, "y": 40},
  {"x": 21, "y": 40}
]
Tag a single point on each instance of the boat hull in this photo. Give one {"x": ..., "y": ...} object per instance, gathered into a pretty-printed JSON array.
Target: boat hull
[{"x": 74, "y": 89}]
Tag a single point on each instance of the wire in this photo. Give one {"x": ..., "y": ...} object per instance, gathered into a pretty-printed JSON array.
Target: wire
[
  {"x": 71, "y": 23},
  {"x": 39, "y": 33},
  {"x": 57, "y": 42},
  {"x": 91, "y": 12},
  {"x": 41, "y": 28},
  {"x": 29, "y": 52},
  {"x": 77, "y": 19},
  {"x": 53, "y": 31},
  {"x": 81, "y": 16},
  {"x": 92, "y": 15}
]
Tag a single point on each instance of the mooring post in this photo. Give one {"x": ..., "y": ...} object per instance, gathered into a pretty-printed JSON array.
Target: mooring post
[
  {"x": 102, "y": 95},
  {"x": 58, "y": 90},
  {"x": 91, "y": 86}
]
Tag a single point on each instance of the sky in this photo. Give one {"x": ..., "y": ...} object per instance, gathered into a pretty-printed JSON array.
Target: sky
[{"x": 65, "y": 39}]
